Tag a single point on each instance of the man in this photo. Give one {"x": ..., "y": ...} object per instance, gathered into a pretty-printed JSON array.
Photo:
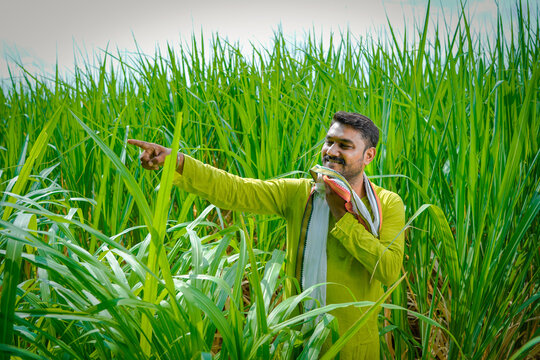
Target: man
[{"x": 362, "y": 242}]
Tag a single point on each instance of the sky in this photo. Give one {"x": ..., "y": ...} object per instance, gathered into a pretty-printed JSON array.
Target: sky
[{"x": 40, "y": 34}]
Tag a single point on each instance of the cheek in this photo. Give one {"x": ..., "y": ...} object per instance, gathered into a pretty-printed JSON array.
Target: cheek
[{"x": 358, "y": 159}]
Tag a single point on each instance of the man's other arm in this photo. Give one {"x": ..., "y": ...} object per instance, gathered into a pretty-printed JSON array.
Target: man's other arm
[{"x": 382, "y": 257}]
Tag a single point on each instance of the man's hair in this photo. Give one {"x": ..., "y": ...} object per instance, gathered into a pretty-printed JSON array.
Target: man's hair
[{"x": 360, "y": 122}]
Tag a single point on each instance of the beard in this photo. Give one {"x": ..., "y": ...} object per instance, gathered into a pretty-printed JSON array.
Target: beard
[{"x": 349, "y": 172}]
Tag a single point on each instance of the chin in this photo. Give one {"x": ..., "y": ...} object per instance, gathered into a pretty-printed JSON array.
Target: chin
[
  {"x": 330, "y": 165},
  {"x": 334, "y": 166}
]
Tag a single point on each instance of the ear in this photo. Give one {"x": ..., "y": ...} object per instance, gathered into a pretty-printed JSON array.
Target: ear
[{"x": 369, "y": 155}]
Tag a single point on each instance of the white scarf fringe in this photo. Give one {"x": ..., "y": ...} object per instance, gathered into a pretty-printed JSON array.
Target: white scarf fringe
[{"x": 315, "y": 259}]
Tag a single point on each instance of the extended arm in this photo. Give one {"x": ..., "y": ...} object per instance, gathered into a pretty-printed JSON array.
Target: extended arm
[
  {"x": 221, "y": 188},
  {"x": 229, "y": 191}
]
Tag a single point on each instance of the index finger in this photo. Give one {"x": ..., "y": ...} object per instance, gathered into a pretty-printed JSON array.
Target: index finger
[{"x": 142, "y": 144}]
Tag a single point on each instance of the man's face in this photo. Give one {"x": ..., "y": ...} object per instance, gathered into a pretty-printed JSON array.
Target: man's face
[{"x": 346, "y": 151}]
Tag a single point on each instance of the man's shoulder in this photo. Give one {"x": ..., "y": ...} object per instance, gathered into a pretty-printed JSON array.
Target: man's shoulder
[
  {"x": 295, "y": 189},
  {"x": 387, "y": 197}
]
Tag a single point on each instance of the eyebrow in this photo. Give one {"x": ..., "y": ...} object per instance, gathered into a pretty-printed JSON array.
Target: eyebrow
[{"x": 341, "y": 140}]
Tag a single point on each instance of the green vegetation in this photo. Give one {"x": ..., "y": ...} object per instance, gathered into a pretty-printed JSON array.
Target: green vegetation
[{"x": 97, "y": 262}]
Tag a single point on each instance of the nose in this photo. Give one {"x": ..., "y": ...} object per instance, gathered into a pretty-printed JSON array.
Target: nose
[{"x": 332, "y": 150}]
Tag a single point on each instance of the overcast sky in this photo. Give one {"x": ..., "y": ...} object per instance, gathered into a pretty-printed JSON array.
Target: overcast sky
[{"x": 38, "y": 33}]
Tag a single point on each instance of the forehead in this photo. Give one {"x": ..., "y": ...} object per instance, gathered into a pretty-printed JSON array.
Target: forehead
[{"x": 346, "y": 133}]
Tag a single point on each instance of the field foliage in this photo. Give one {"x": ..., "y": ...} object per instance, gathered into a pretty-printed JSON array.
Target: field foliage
[{"x": 98, "y": 261}]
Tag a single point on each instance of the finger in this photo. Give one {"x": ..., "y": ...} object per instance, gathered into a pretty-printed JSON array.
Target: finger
[
  {"x": 142, "y": 144},
  {"x": 155, "y": 161},
  {"x": 146, "y": 156},
  {"x": 150, "y": 166},
  {"x": 328, "y": 189}
]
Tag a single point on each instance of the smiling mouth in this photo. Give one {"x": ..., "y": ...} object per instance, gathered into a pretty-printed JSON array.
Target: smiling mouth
[{"x": 333, "y": 159}]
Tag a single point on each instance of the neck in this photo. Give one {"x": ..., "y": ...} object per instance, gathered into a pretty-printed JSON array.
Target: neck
[{"x": 358, "y": 186}]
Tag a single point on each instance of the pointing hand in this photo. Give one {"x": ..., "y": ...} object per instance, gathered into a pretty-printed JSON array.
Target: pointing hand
[{"x": 154, "y": 155}]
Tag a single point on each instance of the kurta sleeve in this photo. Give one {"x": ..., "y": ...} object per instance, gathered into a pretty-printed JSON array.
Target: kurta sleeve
[
  {"x": 231, "y": 192},
  {"x": 382, "y": 257}
]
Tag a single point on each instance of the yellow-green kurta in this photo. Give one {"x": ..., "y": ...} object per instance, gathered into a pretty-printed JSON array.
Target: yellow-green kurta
[{"x": 356, "y": 260}]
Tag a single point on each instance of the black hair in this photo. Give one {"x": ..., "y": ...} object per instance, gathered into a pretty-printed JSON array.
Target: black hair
[{"x": 360, "y": 122}]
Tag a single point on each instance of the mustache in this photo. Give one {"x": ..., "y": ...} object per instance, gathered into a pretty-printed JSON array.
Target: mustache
[{"x": 334, "y": 159}]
